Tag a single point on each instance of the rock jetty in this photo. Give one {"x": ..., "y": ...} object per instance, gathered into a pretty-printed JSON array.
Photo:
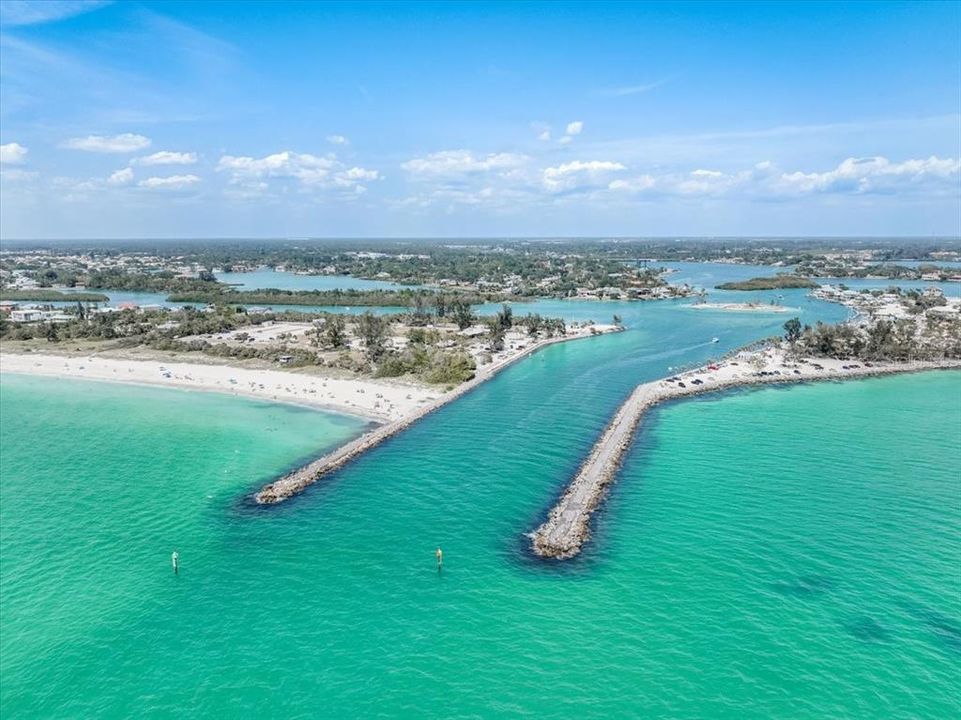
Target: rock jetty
[
  {"x": 567, "y": 527},
  {"x": 297, "y": 480}
]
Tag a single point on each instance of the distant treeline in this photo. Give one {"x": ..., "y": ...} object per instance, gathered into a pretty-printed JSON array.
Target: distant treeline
[
  {"x": 152, "y": 282},
  {"x": 307, "y": 253},
  {"x": 339, "y": 298},
  {"x": 891, "y": 272},
  {"x": 885, "y": 340},
  {"x": 777, "y": 282},
  {"x": 46, "y": 295}
]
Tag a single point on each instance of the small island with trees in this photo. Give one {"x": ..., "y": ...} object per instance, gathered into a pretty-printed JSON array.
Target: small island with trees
[{"x": 781, "y": 281}]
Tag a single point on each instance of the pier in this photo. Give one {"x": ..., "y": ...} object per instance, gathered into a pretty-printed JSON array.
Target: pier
[{"x": 567, "y": 527}]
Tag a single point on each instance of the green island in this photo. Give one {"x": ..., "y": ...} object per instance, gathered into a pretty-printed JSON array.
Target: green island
[
  {"x": 781, "y": 281},
  {"x": 48, "y": 295},
  {"x": 344, "y": 298}
]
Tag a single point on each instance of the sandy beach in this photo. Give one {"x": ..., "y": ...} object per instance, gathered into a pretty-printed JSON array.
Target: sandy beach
[
  {"x": 394, "y": 404},
  {"x": 743, "y": 307},
  {"x": 373, "y": 399},
  {"x": 382, "y": 400}
]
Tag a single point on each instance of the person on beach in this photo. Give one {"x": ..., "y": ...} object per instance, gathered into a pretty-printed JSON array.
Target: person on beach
[{"x": 175, "y": 562}]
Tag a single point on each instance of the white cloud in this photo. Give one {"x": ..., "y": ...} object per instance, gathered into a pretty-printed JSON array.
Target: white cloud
[
  {"x": 704, "y": 182},
  {"x": 573, "y": 129},
  {"x": 578, "y": 174},
  {"x": 167, "y": 157},
  {"x": 31, "y": 12},
  {"x": 311, "y": 171},
  {"x": 499, "y": 200},
  {"x": 542, "y": 129},
  {"x": 338, "y": 140},
  {"x": 17, "y": 175},
  {"x": 171, "y": 182},
  {"x": 287, "y": 164},
  {"x": 124, "y": 143},
  {"x": 13, "y": 154},
  {"x": 544, "y": 134},
  {"x": 462, "y": 162},
  {"x": 76, "y": 190},
  {"x": 582, "y": 166},
  {"x": 247, "y": 191},
  {"x": 463, "y": 197},
  {"x": 874, "y": 175},
  {"x": 715, "y": 185},
  {"x": 633, "y": 185},
  {"x": 121, "y": 177},
  {"x": 357, "y": 174},
  {"x": 632, "y": 89},
  {"x": 853, "y": 176},
  {"x": 354, "y": 179}
]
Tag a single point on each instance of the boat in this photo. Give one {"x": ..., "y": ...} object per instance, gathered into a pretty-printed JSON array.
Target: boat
[{"x": 714, "y": 340}]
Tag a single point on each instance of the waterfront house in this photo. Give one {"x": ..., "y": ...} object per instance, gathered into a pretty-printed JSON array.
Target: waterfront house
[{"x": 26, "y": 315}]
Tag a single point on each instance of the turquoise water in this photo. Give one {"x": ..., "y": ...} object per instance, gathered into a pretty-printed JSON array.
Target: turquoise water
[
  {"x": 781, "y": 552},
  {"x": 115, "y": 297},
  {"x": 708, "y": 275}
]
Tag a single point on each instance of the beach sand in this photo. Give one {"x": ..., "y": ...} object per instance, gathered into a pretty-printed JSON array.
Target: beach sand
[
  {"x": 395, "y": 404},
  {"x": 743, "y": 307},
  {"x": 372, "y": 399},
  {"x": 383, "y": 400}
]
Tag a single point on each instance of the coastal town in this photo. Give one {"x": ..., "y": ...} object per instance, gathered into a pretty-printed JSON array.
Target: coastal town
[
  {"x": 617, "y": 269},
  {"x": 59, "y": 298},
  {"x": 499, "y": 271}
]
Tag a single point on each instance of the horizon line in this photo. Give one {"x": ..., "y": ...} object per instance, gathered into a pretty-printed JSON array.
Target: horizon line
[{"x": 502, "y": 238}]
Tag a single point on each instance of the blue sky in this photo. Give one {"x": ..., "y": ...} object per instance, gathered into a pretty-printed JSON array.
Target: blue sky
[{"x": 141, "y": 119}]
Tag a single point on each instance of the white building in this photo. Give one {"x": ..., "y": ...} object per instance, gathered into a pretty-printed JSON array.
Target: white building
[{"x": 26, "y": 315}]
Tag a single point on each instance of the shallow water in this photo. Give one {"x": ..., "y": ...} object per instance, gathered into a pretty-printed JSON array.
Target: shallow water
[
  {"x": 779, "y": 552},
  {"x": 709, "y": 275}
]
